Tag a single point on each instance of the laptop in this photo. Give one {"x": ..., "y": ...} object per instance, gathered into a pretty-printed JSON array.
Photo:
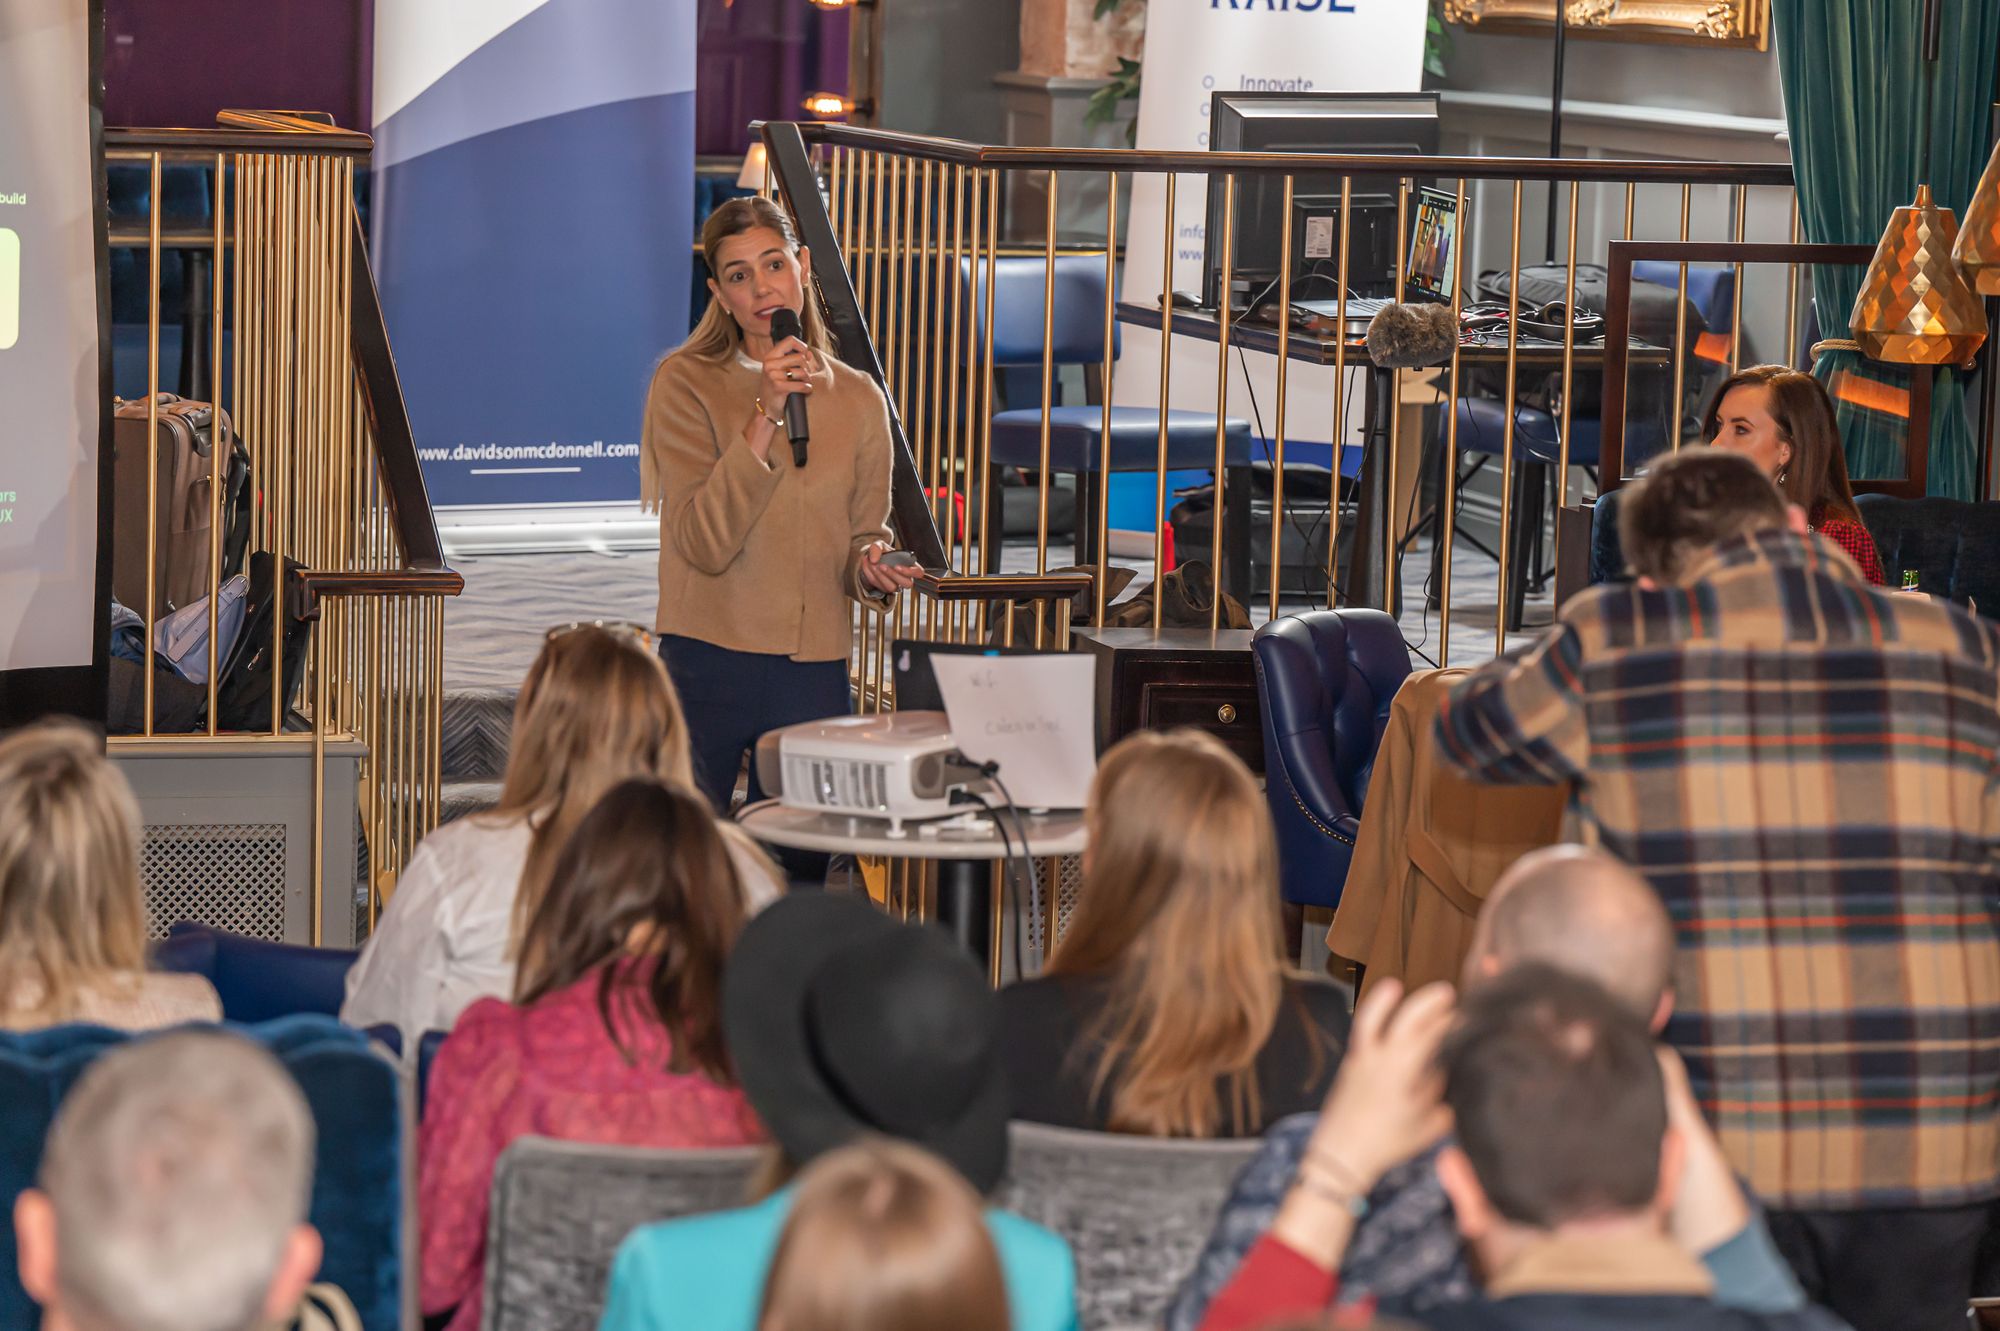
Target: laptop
[
  {"x": 1430, "y": 271},
  {"x": 915, "y": 681}
]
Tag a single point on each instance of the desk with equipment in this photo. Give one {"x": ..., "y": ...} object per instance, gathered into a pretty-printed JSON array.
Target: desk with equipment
[
  {"x": 1364, "y": 579},
  {"x": 998, "y": 776}
]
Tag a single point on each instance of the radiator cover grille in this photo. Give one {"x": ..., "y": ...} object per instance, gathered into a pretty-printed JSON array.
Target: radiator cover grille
[{"x": 230, "y": 875}]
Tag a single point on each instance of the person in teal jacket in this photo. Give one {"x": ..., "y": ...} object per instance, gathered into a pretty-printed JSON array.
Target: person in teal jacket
[{"x": 843, "y": 1024}]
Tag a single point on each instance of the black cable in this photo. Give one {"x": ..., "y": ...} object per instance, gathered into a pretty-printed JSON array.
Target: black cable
[
  {"x": 1006, "y": 871},
  {"x": 1034, "y": 875}
]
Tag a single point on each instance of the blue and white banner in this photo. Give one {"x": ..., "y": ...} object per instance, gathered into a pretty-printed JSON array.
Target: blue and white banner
[
  {"x": 533, "y": 216},
  {"x": 1195, "y": 48}
]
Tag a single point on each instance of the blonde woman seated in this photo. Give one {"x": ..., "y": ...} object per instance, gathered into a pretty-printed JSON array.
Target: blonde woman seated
[
  {"x": 884, "y": 1237},
  {"x": 72, "y": 914},
  {"x": 1167, "y": 1009},
  {"x": 615, "y": 1031},
  {"x": 597, "y": 707}
]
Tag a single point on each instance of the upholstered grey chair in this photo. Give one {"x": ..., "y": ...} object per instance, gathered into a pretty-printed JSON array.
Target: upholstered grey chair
[
  {"x": 560, "y": 1210},
  {"x": 1136, "y": 1210}
]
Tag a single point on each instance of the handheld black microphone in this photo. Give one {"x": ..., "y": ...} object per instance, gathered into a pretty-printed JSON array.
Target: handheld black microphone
[{"x": 784, "y": 324}]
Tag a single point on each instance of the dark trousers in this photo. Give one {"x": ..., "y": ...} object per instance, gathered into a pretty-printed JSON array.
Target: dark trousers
[
  {"x": 1903, "y": 1270},
  {"x": 731, "y": 698}
]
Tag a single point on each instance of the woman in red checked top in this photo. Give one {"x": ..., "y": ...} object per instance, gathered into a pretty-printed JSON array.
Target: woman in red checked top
[{"x": 1782, "y": 420}]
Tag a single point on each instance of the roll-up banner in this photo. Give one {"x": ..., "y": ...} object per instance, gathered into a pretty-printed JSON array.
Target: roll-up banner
[
  {"x": 1195, "y": 48},
  {"x": 54, "y": 363},
  {"x": 533, "y": 220}
]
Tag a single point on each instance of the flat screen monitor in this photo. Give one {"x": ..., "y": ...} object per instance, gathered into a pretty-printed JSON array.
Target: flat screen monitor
[{"x": 1396, "y": 124}]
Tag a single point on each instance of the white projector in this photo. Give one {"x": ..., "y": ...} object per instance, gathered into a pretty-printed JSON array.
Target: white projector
[{"x": 900, "y": 766}]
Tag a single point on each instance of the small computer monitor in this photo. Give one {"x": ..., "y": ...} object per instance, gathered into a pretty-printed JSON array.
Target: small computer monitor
[
  {"x": 1387, "y": 124},
  {"x": 1432, "y": 271}
]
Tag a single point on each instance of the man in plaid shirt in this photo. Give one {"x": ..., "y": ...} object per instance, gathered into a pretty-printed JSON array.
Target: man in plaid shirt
[{"x": 1804, "y": 766}]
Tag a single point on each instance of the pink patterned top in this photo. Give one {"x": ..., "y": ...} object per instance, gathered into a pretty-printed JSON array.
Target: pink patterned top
[{"x": 549, "y": 1070}]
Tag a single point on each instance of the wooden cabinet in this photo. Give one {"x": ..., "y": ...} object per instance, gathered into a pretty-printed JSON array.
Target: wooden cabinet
[{"x": 1178, "y": 677}]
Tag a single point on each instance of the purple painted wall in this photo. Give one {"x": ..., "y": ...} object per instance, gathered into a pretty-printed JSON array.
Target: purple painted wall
[
  {"x": 179, "y": 63},
  {"x": 759, "y": 58}
]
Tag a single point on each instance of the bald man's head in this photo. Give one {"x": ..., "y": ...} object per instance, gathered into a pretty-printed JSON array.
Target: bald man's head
[{"x": 1584, "y": 913}]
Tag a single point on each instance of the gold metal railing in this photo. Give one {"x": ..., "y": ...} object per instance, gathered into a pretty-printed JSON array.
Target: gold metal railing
[
  {"x": 908, "y": 216},
  {"x": 337, "y": 499}
]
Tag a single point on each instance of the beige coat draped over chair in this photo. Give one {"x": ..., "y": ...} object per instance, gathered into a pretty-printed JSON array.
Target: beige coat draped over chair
[{"x": 1431, "y": 845}]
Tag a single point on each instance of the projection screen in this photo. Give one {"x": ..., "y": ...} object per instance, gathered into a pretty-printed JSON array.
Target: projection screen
[{"x": 53, "y": 361}]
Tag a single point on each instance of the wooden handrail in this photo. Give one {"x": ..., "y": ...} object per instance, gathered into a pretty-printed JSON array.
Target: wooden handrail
[
  {"x": 1584, "y": 169},
  {"x": 382, "y": 582},
  {"x": 388, "y": 416},
  {"x": 949, "y": 586},
  {"x": 245, "y": 131},
  {"x": 909, "y": 507}
]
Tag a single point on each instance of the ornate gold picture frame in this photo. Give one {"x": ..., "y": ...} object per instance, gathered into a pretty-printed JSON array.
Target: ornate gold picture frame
[{"x": 1744, "y": 23}]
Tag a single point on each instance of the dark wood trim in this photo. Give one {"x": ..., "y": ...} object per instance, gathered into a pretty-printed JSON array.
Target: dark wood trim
[
  {"x": 383, "y": 582},
  {"x": 1915, "y": 483},
  {"x": 1002, "y": 586},
  {"x": 1618, "y": 319},
  {"x": 1564, "y": 169},
  {"x": 792, "y": 169},
  {"x": 247, "y": 131},
  {"x": 388, "y": 416}
]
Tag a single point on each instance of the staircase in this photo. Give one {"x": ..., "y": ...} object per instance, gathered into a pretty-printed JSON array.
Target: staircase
[{"x": 493, "y": 631}]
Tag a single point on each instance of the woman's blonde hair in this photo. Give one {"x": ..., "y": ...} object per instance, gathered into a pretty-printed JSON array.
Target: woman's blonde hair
[
  {"x": 597, "y": 707},
  {"x": 1179, "y": 911},
  {"x": 883, "y": 1236},
  {"x": 72, "y": 913},
  {"x": 717, "y": 336}
]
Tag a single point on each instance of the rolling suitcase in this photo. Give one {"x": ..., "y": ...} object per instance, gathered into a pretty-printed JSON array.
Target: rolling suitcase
[{"x": 190, "y": 436}]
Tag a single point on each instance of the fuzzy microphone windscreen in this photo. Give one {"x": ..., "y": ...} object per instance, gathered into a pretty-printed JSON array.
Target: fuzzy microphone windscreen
[{"x": 1411, "y": 336}]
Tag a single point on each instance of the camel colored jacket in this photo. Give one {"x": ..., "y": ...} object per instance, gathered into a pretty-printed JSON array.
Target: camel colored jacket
[
  {"x": 756, "y": 556},
  {"x": 1431, "y": 845}
]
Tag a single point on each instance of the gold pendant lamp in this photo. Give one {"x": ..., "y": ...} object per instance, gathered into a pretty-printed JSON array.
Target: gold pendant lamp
[
  {"x": 1978, "y": 250},
  {"x": 1914, "y": 307}
]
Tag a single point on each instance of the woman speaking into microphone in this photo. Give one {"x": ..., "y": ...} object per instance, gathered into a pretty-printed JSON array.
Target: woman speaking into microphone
[{"x": 762, "y": 540}]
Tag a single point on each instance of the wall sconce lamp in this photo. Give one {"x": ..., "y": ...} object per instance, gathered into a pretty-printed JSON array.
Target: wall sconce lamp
[
  {"x": 832, "y": 106},
  {"x": 756, "y": 167},
  {"x": 843, "y": 4}
]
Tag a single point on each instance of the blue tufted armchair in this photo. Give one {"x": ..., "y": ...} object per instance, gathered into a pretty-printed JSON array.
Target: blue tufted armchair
[
  {"x": 1953, "y": 546},
  {"x": 1325, "y": 680}
]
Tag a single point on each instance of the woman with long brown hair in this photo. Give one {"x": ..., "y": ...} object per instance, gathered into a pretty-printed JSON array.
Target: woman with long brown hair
[
  {"x": 1782, "y": 420},
  {"x": 884, "y": 1236},
  {"x": 72, "y": 912},
  {"x": 614, "y": 1034},
  {"x": 762, "y": 543},
  {"x": 596, "y": 708},
  {"x": 1167, "y": 1009}
]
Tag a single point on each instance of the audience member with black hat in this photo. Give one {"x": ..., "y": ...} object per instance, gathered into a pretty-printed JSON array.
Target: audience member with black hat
[{"x": 845, "y": 1024}]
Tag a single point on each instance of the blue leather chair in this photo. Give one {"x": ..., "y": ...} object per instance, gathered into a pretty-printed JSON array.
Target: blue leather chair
[
  {"x": 1076, "y": 433},
  {"x": 256, "y": 979},
  {"x": 359, "y": 1204},
  {"x": 428, "y": 1045},
  {"x": 1953, "y": 546},
  {"x": 1325, "y": 680},
  {"x": 259, "y": 980}
]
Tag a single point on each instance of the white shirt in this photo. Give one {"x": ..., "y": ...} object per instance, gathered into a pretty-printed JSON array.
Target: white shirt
[{"x": 441, "y": 943}]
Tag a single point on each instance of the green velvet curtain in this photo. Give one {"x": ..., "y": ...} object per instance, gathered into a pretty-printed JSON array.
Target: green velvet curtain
[{"x": 1854, "y": 78}]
